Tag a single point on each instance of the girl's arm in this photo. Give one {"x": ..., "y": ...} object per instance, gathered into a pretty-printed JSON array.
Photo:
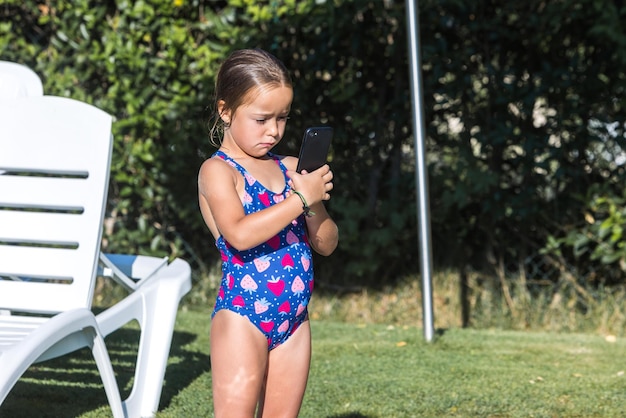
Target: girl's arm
[
  {"x": 220, "y": 187},
  {"x": 323, "y": 232}
]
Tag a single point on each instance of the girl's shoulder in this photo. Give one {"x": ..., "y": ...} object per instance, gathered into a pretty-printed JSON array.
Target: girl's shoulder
[
  {"x": 216, "y": 167},
  {"x": 215, "y": 162}
]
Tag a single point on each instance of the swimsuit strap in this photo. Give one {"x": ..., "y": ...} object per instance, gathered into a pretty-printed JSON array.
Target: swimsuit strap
[
  {"x": 227, "y": 158},
  {"x": 243, "y": 171}
]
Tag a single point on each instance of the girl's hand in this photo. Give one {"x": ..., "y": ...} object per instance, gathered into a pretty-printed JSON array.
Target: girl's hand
[{"x": 314, "y": 186}]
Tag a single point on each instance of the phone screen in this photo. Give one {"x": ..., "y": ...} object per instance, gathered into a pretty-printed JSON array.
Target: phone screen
[{"x": 314, "y": 149}]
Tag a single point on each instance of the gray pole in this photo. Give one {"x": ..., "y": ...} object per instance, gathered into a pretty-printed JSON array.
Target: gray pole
[{"x": 421, "y": 172}]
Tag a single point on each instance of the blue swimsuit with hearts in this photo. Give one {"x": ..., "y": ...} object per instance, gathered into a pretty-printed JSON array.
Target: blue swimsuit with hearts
[{"x": 270, "y": 284}]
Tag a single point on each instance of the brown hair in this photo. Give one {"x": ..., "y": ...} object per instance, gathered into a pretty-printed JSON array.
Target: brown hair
[{"x": 242, "y": 71}]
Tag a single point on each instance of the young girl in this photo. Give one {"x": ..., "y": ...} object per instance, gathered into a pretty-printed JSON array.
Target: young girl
[{"x": 265, "y": 218}]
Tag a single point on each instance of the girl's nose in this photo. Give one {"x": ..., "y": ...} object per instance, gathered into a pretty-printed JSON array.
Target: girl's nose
[{"x": 273, "y": 127}]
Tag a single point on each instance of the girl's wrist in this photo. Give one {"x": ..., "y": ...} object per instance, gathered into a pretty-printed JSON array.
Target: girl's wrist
[{"x": 305, "y": 206}]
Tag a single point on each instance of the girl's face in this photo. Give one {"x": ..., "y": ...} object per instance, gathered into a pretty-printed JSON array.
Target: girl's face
[{"x": 259, "y": 123}]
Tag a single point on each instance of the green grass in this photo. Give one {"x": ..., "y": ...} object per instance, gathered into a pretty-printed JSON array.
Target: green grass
[{"x": 371, "y": 370}]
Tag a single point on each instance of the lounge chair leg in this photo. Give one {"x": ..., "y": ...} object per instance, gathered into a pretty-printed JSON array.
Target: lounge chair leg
[
  {"x": 159, "y": 317},
  {"x": 103, "y": 362}
]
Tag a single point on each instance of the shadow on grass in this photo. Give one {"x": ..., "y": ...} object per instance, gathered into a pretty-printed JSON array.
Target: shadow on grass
[
  {"x": 351, "y": 415},
  {"x": 70, "y": 385}
]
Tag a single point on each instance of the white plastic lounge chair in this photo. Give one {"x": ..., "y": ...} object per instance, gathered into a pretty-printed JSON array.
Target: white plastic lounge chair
[
  {"x": 17, "y": 80},
  {"x": 54, "y": 170}
]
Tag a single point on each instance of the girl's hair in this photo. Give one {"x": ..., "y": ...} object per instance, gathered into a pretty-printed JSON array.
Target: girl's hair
[{"x": 243, "y": 71}]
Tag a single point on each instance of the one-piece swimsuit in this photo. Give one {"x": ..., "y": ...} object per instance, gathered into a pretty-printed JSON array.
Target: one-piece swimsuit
[{"x": 270, "y": 284}]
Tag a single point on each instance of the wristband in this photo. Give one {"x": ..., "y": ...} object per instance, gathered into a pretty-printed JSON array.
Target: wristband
[{"x": 305, "y": 206}]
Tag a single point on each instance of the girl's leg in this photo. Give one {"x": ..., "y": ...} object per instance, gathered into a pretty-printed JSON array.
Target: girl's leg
[
  {"x": 238, "y": 364},
  {"x": 287, "y": 374}
]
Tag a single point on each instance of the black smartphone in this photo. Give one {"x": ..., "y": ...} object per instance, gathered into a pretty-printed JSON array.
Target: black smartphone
[{"x": 314, "y": 149}]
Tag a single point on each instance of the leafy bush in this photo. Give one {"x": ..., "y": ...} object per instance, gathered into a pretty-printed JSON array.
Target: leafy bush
[
  {"x": 519, "y": 98},
  {"x": 598, "y": 240},
  {"x": 150, "y": 64},
  {"x": 516, "y": 121}
]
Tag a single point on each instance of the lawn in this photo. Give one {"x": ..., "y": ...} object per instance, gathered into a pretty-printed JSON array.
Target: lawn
[{"x": 368, "y": 371}]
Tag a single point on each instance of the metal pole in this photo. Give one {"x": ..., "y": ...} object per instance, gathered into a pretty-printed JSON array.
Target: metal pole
[{"x": 421, "y": 172}]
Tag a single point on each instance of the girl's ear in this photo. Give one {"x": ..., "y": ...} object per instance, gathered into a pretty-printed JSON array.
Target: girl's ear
[{"x": 223, "y": 112}]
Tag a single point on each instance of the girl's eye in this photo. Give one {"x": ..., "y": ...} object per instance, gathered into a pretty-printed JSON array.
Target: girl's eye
[{"x": 279, "y": 119}]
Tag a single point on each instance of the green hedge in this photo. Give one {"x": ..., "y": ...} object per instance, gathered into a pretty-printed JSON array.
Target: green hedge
[{"x": 502, "y": 184}]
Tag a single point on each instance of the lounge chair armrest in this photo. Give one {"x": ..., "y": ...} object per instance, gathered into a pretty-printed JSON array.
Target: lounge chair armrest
[{"x": 131, "y": 270}]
